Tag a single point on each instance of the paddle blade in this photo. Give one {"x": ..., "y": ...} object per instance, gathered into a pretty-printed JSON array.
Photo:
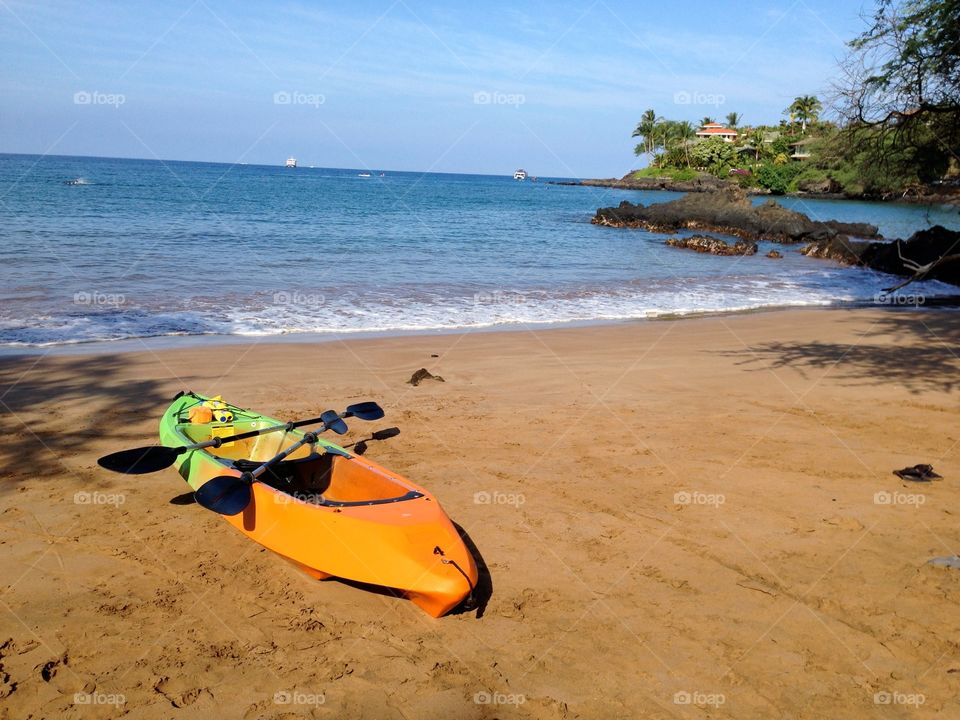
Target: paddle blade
[
  {"x": 226, "y": 495},
  {"x": 365, "y": 411},
  {"x": 331, "y": 418},
  {"x": 140, "y": 460}
]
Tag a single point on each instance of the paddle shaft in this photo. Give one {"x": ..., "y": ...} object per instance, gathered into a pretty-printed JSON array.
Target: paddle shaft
[
  {"x": 351, "y": 411},
  {"x": 308, "y": 439},
  {"x": 218, "y": 441}
]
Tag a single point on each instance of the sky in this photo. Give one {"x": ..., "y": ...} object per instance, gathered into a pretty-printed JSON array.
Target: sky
[{"x": 471, "y": 87}]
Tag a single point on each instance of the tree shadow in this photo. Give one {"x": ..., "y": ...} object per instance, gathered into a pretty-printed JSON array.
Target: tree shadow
[
  {"x": 54, "y": 408},
  {"x": 914, "y": 348}
]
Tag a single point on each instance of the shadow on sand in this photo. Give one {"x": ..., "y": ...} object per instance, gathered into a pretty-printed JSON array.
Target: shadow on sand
[
  {"x": 914, "y": 348},
  {"x": 38, "y": 393}
]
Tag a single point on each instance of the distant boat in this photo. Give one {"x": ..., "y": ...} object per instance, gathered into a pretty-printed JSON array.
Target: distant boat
[
  {"x": 520, "y": 175},
  {"x": 364, "y": 175},
  {"x": 383, "y": 174},
  {"x": 291, "y": 162}
]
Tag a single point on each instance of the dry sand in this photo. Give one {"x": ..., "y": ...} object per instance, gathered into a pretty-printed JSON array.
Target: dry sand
[{"x": 676, "y": 511}]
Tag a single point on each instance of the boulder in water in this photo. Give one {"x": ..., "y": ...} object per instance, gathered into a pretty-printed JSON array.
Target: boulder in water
[{"x": 714, "y": 246}]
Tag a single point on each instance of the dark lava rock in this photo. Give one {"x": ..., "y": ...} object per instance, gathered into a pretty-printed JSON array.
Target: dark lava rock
[
  {"x": 841, "y": 249},
  {"x": 922, "y": 248},
  {"x": 714, "y": 246},
  {"x": 702, "y": 183},
  {"x": 774, "y": 254},
  {"x": 827, "y": 186},
  {"x": 423, "y": 374},
  {"x": 728, "y": 210}
]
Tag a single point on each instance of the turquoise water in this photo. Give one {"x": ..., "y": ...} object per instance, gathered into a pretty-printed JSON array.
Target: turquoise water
[{"x": 103, "y": 249}]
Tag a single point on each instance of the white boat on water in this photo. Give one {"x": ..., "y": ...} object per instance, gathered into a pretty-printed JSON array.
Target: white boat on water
[
  {"x": 520, "y": 175},
  {"x": 364, "y": 175},
  {"x": 291, "y": 162}
]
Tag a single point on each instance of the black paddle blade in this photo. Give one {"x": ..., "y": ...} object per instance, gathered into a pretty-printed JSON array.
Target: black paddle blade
[
  {"x": 226, "y": 495},
  {"x": 365, "y": 411},
  {"x": 331, "y": 418},
  {"x": 140, "y": 460}
]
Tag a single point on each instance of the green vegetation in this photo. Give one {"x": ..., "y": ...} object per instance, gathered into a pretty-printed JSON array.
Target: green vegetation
[
  {"x": 898, "y": 118},
  {"x": 900, "y": 95},
  {"x": 678, "y": 174},
  {"x": 760, "y": 156}
]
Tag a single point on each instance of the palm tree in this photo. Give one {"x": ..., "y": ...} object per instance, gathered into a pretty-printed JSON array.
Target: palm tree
[
  {"x": 805, "y": 108},
  {"x": 707, "y": 121},
  {"x": 757, "y": 138},
  {"x": 683, "y": 133},
  {"x": 646, "y": 129},
  {"x": 733, "y": 119}
]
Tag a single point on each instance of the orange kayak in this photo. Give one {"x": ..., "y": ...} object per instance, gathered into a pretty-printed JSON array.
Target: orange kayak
[{"x": 330, "y": 513}]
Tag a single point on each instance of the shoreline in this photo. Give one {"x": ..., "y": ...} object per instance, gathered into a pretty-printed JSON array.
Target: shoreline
[{"x": 213, "y": 340}]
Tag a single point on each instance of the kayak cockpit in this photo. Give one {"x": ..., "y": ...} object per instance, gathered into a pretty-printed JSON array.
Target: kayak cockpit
[
  {"x": 333, "y": 480},
  {"x": 309, "y": 474}
]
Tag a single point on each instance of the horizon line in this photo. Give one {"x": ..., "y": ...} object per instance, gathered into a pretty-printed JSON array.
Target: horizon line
[{"x": 245, "y": 164}]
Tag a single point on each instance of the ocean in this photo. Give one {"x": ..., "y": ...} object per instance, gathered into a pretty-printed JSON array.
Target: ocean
[{"x": 98, "y": 249}]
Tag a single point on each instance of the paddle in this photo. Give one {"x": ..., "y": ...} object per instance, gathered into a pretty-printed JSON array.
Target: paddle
[
  {"x": 157, "y": 457},
  {"x": 229, "y": 495}
]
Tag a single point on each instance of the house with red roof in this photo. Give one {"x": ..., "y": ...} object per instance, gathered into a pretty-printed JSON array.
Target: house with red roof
[{"x": 717, "y": 130}]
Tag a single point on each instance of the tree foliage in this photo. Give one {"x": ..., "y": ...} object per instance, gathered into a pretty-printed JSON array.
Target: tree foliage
[
  {"x": 899, "y": 95},
  {"x": 714, "y": 154},
  {"x": 805, "y": 109}
]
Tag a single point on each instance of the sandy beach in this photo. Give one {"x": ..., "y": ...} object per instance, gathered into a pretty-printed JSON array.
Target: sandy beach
[{"x": 674, "y": 519}]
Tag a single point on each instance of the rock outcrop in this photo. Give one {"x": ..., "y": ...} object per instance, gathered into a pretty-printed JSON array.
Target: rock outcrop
[
  {"x": 728, "y": 210},
  {"x": 701, "y": 183},
  {"x": 900, "y": 257},
  {"x": 714, "y": 246}
]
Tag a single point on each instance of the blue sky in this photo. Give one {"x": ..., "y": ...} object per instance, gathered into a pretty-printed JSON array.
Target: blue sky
[{"x": 483, "y": 87}]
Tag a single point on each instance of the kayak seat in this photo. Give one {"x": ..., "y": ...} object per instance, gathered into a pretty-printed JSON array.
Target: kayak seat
[
  {"x": 310, "y": 474},
  {"x": 328, "y": 478}
]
